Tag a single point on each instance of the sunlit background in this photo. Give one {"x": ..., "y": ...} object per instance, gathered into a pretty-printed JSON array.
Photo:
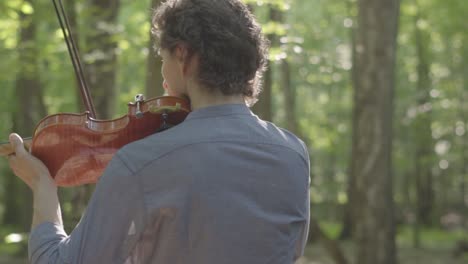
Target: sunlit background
[{"x": 311, "y": 94}]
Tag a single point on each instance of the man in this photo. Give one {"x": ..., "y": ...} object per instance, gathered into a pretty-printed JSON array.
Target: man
[{"x": 222, "y": 187}]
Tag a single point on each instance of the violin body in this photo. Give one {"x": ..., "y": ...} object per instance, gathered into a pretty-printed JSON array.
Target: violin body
[{"x": 76, "y": 148}]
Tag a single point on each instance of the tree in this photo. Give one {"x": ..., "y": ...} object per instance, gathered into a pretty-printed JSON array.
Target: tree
[
  {"x": 422, "y": 132},
  {"x": 371, "y": 163},
  {"x": 154, "y": 77},
  {"x": 101, "y": 54},
  {"x": 29, "y": 109},
  {"x": 70, "y": 9},
  {"x": 263, "y": 108}
]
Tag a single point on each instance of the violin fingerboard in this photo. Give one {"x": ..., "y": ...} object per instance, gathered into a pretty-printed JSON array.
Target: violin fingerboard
[{"x": 6, "y": 149}]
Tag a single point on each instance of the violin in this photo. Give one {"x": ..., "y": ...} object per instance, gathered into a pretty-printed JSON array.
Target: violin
[{"x": 76, "y": 148}]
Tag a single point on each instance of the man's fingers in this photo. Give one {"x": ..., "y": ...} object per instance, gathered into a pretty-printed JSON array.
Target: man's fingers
[
  {"x": 17, "y": 144},
  {"x": 12, "y": 161}
]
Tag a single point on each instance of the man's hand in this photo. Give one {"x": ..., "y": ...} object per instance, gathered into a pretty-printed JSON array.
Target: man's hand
[
  {"x": 27, "y": 167},
  {"x": 36, "y": 175}
]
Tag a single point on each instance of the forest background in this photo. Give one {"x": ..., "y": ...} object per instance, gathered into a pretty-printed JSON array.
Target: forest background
[{"x": 366, "y": 84}]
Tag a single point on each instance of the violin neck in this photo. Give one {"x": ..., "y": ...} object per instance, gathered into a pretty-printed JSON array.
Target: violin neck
[{"x": 6, "y": 149}]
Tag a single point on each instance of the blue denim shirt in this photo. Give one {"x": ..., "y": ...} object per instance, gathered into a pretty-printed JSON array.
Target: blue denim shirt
[{"x": 222, "y": 187}]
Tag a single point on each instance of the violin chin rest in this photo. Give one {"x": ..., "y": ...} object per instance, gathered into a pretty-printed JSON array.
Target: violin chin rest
[{"x": 168, "y": 109}]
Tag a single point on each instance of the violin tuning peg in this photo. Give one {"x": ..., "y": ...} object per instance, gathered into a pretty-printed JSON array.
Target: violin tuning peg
[{"x": 139, "y": 98}]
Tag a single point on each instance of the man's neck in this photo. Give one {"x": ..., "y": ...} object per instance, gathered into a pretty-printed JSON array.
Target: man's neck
[{"x": 200, "y": 98}]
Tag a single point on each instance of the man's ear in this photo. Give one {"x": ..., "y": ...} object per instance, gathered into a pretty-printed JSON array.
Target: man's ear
[
  {"x": 186, "y": 60},
  {"x": 181, "y": 52}
]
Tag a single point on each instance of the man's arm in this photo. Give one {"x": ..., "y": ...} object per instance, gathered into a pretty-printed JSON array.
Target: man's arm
[
  {"x": 46, "y": 206},
  {"x": 34, "y": 173},
  {"x": 108, "y": 229}
]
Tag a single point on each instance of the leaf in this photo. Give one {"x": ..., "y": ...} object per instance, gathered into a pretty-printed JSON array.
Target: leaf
[{"x": 27, "y": 8}]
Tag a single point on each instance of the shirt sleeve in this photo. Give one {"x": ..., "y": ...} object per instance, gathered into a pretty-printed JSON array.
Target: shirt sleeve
[
  {"x": 302, "y": 242},
  {"x": 107, "y": 231}
]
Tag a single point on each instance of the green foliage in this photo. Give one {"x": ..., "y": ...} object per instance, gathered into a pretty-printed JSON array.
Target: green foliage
[
  {"x": 442, "y": 23},
  {"x": 331, "y": 229},
  {"x": 315, "y": 36}
]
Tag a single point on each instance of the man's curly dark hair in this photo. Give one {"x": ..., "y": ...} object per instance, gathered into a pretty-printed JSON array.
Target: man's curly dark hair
[{"x": 231, "y": 48}]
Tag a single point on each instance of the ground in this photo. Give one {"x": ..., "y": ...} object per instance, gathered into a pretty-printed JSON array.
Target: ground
[{"x": 316, "y": 255}]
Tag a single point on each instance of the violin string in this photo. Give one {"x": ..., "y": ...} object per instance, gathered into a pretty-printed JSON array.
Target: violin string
[{"x": 73, "y": 52}]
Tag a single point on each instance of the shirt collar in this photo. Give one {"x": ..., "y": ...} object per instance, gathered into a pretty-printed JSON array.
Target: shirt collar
[{"x": 220, "y": 110}]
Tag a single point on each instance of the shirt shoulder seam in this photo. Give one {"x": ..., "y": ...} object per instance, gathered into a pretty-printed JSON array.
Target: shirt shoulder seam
[{"x": 162, "y": 155}]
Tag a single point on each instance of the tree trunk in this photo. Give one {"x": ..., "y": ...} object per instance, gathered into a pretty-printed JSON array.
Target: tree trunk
[
  {"x": 289, "y": 93},
  {"x": 422, "y": 131},
  {"x": 464, "y": 116},
  {"x": 29, "y": 109},
  {"x": 70, "y": 8},
  {"x": 101, "y": 54},
  {"x": 347, "y": 224},
  {"x": 422, "y": 138},
  {"x": 458, "y": 58},
  {"x": 154, "y": 77},
  {"x": 263, "y": 108},
  {"x": 371, "y": 161}
]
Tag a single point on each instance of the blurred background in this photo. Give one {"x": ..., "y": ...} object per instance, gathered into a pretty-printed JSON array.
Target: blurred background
[{"x": 377, "y": 89}]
